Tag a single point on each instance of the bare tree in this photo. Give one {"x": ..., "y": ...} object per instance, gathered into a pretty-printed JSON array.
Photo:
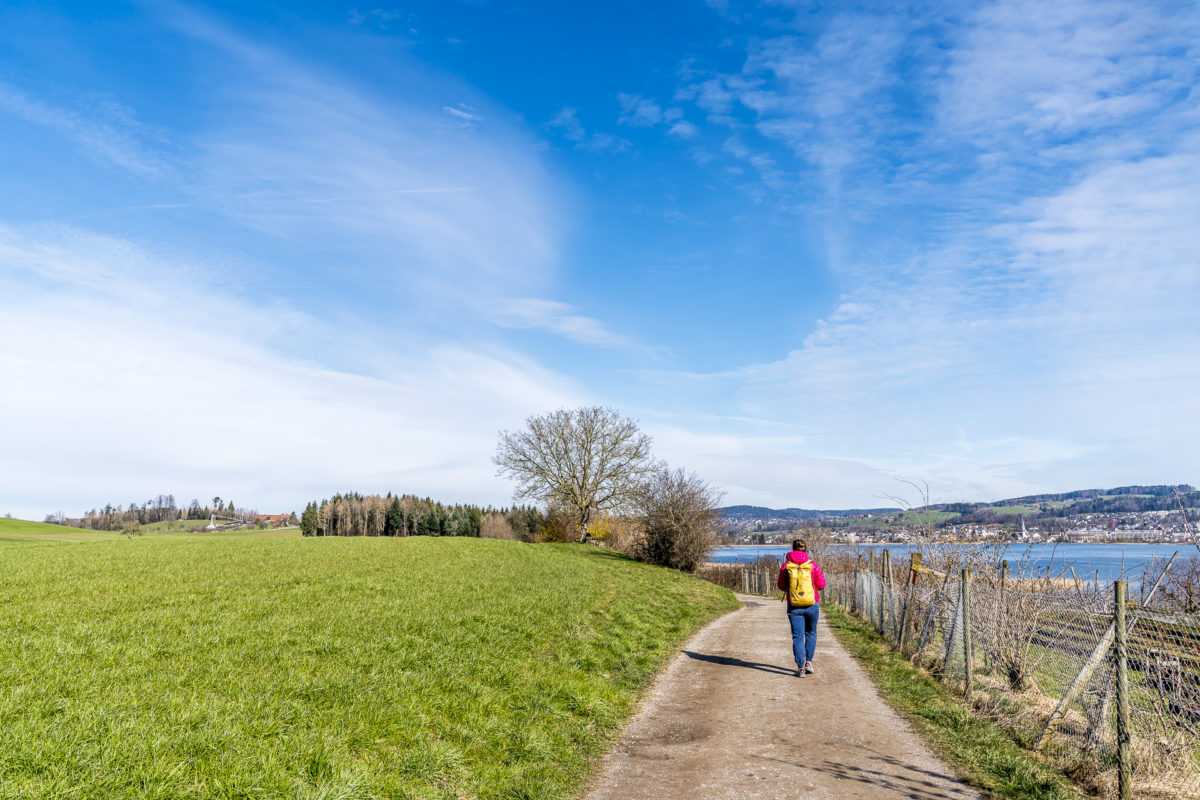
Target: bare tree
[
  {"x": 680, "y": 520},
  {"x": 584, "y": 461}
]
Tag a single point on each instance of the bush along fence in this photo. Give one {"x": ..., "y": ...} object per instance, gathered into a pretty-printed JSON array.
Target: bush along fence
[{"x": 1106, "y": 688}]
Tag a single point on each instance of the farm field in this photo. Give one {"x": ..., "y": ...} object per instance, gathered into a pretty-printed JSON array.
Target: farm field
[
  {"x": 23, "y": 531},
  {"x": 196, "y": 527},
  {"x": 176, "y": 526},
  {"x": 19, "y": 530},
  {"x": 239, "y": 666},
  {"x": 1014, "y": 510}
]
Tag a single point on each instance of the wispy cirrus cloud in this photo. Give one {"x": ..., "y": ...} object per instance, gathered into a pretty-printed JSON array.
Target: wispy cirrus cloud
[
  {"x": 1056, "y": 249},
  {"x": 107, "y": 132},
  {"x": 357, "y": 218},
  {"x": 303, "y": 135},
  {"x": 558, "y": 318},
  {"x": 567, "y": 121},
  {"x": 213, "y": 373},
  {"x": 464, "y": 114},
  {"x": 1020, "y": 72}
]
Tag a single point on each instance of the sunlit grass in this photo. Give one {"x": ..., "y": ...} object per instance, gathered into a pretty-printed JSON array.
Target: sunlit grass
[{"x": 334, "y": 668}]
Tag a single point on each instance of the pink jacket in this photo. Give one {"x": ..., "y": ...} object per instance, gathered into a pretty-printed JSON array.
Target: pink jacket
[{"x": 799, "y": 557}]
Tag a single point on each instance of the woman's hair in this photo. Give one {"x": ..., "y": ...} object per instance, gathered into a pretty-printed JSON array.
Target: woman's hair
[{"x": 799, "y": 544}]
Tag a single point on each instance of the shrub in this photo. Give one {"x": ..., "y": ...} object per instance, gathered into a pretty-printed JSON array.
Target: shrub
[{"x": 679, "y": 519}]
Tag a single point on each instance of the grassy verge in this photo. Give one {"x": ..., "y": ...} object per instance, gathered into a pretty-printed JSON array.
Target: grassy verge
[
  {"x": 325, "y": 668},
  {"x": 981, "y": 752}
]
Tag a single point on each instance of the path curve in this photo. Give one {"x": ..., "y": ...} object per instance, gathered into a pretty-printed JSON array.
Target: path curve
[{"x": 729, "y": 720}]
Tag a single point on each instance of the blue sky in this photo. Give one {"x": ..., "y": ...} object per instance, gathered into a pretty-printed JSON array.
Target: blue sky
[{"x": 276, "y": 251}]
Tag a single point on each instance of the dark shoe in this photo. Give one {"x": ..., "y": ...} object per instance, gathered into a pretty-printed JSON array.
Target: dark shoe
[{"x": 799, "y": 672}]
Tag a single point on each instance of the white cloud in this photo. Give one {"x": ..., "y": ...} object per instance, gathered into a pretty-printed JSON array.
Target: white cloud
[
  {"x": 301, "y": 153},
  {"x": 1056, "y": 352},
  {"x": 639, "y": 112},
  {"x": 567, "y": 119},
  {"x": 108, "y": 133},
  {"x": 601, "y": 142},
  {"x": 684, "y": 130},
  {"x": 127, "y": 376},
  {"x": 464, "y": 114},
  {"x": 1022, "y": 69},
  {"x": 773, "y": 470},
  {"x": 1008, "y": 200},
  {"x": 194, "y": 386},
  {"x": 558, "y": 318}
]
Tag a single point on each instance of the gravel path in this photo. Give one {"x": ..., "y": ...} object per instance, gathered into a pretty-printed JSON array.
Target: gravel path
[{"x": 729, "y": 720}]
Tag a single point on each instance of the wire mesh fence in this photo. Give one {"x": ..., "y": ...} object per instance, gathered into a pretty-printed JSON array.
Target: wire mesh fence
[{"x": 1109, "y": 690}]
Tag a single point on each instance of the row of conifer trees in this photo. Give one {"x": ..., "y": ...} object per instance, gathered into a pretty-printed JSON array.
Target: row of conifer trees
[{"x": 354, "y": 514}]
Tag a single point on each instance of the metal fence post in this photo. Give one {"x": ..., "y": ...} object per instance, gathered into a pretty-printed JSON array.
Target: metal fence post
[
  {"x": 968, "y": 645},
  {"x": 1124, "y": 785}
]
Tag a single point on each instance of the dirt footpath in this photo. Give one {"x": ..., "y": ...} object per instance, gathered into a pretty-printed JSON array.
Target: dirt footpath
[{"x": 729, "y": 720}]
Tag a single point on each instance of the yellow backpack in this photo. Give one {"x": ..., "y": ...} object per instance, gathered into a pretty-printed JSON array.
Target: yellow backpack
[{"x": 800, "y": 591}]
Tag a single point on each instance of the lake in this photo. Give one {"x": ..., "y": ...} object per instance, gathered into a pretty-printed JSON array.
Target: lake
[{"x": 1091, "y": 561}]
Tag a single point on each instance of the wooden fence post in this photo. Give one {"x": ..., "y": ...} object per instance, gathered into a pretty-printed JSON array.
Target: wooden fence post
[
  {"x": 913, "y": 566},
  {"x": 885, "y": 590},
  {"x": 871, "y": 588},
  {"x": 1003, "y": 607},
  {"x": 1124, "y": 787},
  {"x": 854, "y": 584},
  {"x": 951, "y": 633},
  {"x": 968, "y": 646}
]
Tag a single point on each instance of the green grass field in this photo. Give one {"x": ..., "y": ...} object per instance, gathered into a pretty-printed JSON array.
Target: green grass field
[
  {"x": 19, "y": 530},
  {"x": 1015, "y": 510},
  {"x": 921, "y": 517},
  {"x": 237, "y": 667}
]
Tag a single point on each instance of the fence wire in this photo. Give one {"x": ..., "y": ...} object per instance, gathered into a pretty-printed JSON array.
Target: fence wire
[
  {"x": 1037, "y": 654},
  {"x": 1164, "y": 702}
]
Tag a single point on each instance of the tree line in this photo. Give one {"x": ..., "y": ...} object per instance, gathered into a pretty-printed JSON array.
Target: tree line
[
  {"x": 158, "y": 509},
  {"x": 590, "y": 473},
  {"x": 354, "y": 514}
]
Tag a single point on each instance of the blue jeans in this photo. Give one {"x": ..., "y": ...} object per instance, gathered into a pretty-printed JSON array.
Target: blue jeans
[{"x": 804, "y": 632}]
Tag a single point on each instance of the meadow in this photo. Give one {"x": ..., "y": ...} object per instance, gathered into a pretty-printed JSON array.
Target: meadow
[
  {"x": 25, "y": 532},
  {"x": 237, "y": 667}
]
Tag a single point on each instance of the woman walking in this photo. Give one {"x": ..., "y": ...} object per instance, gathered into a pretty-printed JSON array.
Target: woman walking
[{"x": 802, "y": 581}]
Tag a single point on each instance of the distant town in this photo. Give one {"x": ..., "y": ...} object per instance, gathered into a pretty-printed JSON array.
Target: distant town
[{"x": 1151, "y": 514}]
